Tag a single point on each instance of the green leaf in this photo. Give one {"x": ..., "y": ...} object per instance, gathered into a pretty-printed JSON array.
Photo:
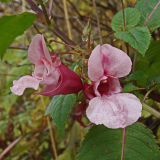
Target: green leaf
[
  {"x": 66, "y": 155},
  {"x": 5, "y": 1},
  {"x": 130, "y": 87},
  {"x": 146, "y": 68},
  {"x": 132, "y": 17},
  {"x": 13, "y": 26},
  {"x": 140, "y": 77},
  {"x": 60, "y": 108},
  {"x": 150, "y": 11},
  {"x": 102, "y": 143},
  {"x": 138, "y": 37}
]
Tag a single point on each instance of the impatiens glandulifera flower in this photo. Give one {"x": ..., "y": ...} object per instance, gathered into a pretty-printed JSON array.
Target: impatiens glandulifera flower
[
  {"x": 107, "y": 105},
  {"x": 57, "y": 78}
]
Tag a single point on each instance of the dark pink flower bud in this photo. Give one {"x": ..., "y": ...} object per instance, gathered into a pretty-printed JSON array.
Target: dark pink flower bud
[{"x": 69, "y": 82}]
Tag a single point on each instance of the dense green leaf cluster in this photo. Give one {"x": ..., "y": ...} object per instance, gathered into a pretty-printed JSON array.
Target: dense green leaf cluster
[
  {"x": 102, "y": 143},
  {"x": 133, "y": 25},
  {"x": 147, "y": 68},
  {"x": 23, "y": 117}
]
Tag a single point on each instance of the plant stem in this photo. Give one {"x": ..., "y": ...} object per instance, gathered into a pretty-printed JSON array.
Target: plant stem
[
  {"x": 152, "y": 12},
  {"x": 45, "y": 12},
  {"x": 151, "y": 110},
  {"x": 19, "y": 48},
  {"x": 67, "y": 19},
  {"x": 148, "y": 93},
  {"x": 134, "y": 62},
  {"x": 65, "y": 44},
  {"x": 124, "y": 23},
  {"x": 147, "y": 107},
  {"x": 123, "y": 143},
  {"x": 52, "y": 138},
  {"x": 50, "y": 9},
  {"x": 50, "y": 132},
  {"x": 98, "y": 22},
  {"x": 10, "y": 146},
  {"x": 124, "y": 18}
]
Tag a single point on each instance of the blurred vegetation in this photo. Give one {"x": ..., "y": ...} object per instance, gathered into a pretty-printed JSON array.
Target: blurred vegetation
[{"x": 23, "y": 119}]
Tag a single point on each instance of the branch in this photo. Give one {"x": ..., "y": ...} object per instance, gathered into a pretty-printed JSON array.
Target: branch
[
  {"x": 67, "y": 19},
  {"x": 152, "y": 12},
  {"x": 124, "y": 18},
  {"x": 10, "y": 146},
  {"x": 34, "y": 7},
  {"x": 151, "y": 110},
  {"x": 98, "y": 22},
  {"x": 45, "y": 12},
  {"x": 50, "y": 132}
]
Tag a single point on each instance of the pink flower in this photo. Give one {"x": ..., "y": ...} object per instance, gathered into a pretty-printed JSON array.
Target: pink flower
[
  {"x": 107, "y": 105},
  {"x": 114, "y": 111},
  {"x": 57, "y": 78}
]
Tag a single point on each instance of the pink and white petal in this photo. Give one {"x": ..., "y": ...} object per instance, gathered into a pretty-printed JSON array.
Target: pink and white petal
[
  {"x": 39, "y": 71},
  {"x": 100, "y": 111},
  {"x": 95, "y": 67},
  {"x": 24, "y": 82},
  {"x": 38, "y": 50},
  {"x": 115, "y": 62},
  {"x": 132, "y": 106},
  {"x": 52, "y": 78},
  {"x": 45, "y": 51},
  {"x": 115, "y": 111},
  {"x": 48, "y": 66},
  {"x": 96, "y": 111}
]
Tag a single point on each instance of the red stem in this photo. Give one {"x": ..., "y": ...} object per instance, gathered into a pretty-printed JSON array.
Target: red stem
[{"x": 123, "y": 143}]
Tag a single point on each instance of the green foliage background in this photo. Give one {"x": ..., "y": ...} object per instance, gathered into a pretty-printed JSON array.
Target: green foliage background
[{"x": 27, "y": 117}]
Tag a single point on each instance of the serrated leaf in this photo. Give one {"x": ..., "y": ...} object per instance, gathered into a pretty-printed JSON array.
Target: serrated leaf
[
  {"x": 138, "y": 37},
  {"x": 102, "y": 143},
  {"x": 60, "y": 108},
  {"x": 13, "y": 26},
  {"x": 132, "y": 17},
  {"x": 150, "y": 11}
]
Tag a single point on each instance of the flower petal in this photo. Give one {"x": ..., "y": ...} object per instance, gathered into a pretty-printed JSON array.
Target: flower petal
[
  {"x": 52, "y": 78},
  {"x": 95, "y": 66},
  {"x": 24, "y": 82},
  {"x": 69, "y": 82},
  {"x": 115, "y": 62},
  {"x": 38, "y": 51},
  {"x": 115, "y": 111},
  {"x": 131, "y": 104},
  {"x": 39, "y": 71}
]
